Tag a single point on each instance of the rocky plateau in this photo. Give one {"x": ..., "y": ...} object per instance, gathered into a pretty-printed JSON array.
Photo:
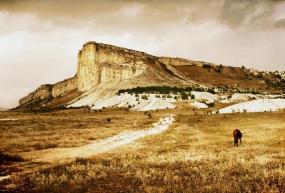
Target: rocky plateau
[{"x": 104, "y": 69}]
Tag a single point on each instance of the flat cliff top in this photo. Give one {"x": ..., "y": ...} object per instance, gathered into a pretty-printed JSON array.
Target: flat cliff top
[{"x": 116, "y": 48}]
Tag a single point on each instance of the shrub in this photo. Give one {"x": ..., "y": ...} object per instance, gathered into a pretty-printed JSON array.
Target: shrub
[
  {"x": 10, "y": 158},
  {"x": 259, "y": 76},
  {"x": 91, "y": 138},
  {"x": 184, "y": 96},
  {"x": 212, "y": 91},
  {"x": 147, "y": 114},
  {"x": 207, "y": 66},
  {"x": 219, "y": 71},
  {"x": 156, "y": 89},
  {"x": 211, "y": 104},
  {"x": 144, "y": 97}
]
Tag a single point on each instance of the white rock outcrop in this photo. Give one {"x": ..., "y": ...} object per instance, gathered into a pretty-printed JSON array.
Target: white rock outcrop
[{"x": 259, "y": 105}]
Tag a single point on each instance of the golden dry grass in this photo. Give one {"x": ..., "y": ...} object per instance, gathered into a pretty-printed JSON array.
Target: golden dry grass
[
  {"x": 195, "y": 155},
  {"x": 68, "y": 128},
  {"x": 26, "y": 135}
]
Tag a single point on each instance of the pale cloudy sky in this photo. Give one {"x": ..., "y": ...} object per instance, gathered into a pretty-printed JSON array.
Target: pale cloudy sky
[{"x": 39, "y": 39}]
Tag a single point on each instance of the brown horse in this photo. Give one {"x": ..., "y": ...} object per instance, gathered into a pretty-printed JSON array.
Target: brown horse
[{"x": 237, "y": 136}]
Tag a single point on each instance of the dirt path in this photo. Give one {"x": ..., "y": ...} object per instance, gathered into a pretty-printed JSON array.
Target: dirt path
[{"x": 63, "y": 154}]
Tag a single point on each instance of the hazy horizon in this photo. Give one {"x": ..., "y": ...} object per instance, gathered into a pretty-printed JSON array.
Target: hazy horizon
[{"x": 39, "y": 40}]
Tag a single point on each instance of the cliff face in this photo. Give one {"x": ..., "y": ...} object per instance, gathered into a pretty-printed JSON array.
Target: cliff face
[
  {"x": 64, "y": 87},
  {"x": 48, "y": 91},
  {"x": 41, "y": 93},
  {"x": 99, "y": 63}
]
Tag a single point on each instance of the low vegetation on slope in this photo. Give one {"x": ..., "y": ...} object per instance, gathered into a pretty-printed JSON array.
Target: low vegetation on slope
[
  {"x": 165, "y": 90},
  {"x": 181, "y": 90},
  {"x": 233, "y": 78},
  {"x": 195, "y": 155}
]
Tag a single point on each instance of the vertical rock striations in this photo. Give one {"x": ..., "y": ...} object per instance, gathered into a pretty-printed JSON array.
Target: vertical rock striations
[
  {"x": 63, "y": 87},
  {"x": 99, "y": 63}
]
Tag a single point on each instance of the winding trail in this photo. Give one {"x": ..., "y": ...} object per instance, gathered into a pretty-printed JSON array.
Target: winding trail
[{"x": 61, "y": 154}]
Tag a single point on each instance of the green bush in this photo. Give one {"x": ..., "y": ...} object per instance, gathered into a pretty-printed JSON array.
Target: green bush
[
  {"x": 207, "y": 66},
  {"x": 10, "y": 158},
  {"x": 211, "y": 104},
  {"x": 184, "y": 96},
  {"x": 144, "y": 97},
  {"x": 157, "y": 89}
]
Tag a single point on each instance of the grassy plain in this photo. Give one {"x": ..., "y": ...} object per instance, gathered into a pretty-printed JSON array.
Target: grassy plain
[{"x": 195, "y": 155}]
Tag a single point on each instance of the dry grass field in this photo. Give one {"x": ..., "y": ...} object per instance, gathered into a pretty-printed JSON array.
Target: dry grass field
[
  {"x": 66, "y": 128},
  {"x": 26, "y": 135},
  {"x": 195, "y": 155}
]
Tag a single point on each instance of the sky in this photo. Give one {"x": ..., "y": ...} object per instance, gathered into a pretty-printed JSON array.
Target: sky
[{"x": 40, "y": 39}]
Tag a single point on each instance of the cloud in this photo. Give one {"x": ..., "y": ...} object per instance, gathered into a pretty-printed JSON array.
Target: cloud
[
  {"x": 141, "y": 13},
  {"x": 39, "y": 40},
  {"x": 254, "y": 13}
]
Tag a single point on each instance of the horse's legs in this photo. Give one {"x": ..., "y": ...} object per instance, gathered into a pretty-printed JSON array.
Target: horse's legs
[{"x": 235, "y": 141}]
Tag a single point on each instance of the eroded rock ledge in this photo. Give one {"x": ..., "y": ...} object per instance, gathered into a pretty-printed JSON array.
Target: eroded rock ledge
[{"x": 49, "y": 91}]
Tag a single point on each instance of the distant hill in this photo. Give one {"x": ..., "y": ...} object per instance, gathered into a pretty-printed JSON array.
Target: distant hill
[
  {"x": 105, "y": 69},
  {"x": 228, "y": 77},
  {"x": 3, "y": 109}
]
